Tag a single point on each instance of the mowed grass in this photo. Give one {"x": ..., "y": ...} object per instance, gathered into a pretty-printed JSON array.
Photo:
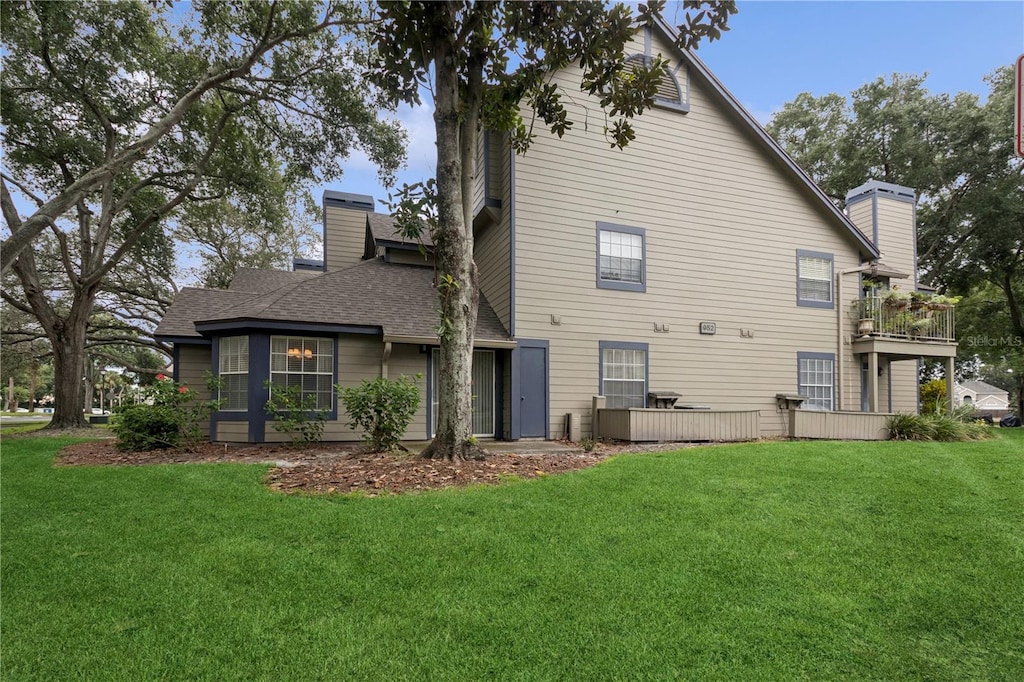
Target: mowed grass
[{"x": 783, "y": 561}]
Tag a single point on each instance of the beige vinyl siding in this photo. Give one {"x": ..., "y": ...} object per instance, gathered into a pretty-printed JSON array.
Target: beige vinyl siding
[
  {"x": 194, "y": 365},
  {"x": 491, "y": 253},
  {"x": 479, "y": 180},
  {"x": 723, "y": 224},
  {"x": 491, "y": 249},
  {"x": 233, "y": 432},
  {"x": 410, "y": 257},
  {"x": 904, "y": 386},
  {"x": 497, "y": 166},
  {"x": 409, "y": 361},
  {"x": 896, "y": 235},
  {"x": 344, "y": 236},
  {"x": 862, "y": 215}
]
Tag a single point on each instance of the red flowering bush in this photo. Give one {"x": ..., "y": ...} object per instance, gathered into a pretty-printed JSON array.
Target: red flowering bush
[{"x": 170, "y": 415}]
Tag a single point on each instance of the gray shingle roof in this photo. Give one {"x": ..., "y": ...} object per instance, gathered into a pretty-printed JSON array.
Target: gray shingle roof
[
  {"x": 982, "y": 388},
  {"x": 382, "y": 227},
  {"x": 192, "y": 304},
  {"x": 256, "y": 280},
  {"x": 399, "y": 299}
]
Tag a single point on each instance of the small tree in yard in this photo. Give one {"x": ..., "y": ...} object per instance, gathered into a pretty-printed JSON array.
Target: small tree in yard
[
  {"x": 933, "y": 396},
  {"x": 382, "y": 408},
  {"x": 482, "y": 62}
]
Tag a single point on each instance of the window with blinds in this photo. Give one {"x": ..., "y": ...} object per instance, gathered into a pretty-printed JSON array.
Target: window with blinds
[
  {"x": 233, "y": 371},
  {"x": 816, "y": 382},
  {"x": 624, "y": 377},
  {"x": 484, "y": 401},
  {"x": 814, "y": 280}
]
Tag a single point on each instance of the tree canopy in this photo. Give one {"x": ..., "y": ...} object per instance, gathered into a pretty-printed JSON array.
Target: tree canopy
[
  {"x": 957, "y": 152},
  {"x": 125, "y": 121}
]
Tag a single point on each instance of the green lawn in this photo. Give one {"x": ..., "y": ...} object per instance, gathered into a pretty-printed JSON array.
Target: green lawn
[{"x": 763, "y": 561}]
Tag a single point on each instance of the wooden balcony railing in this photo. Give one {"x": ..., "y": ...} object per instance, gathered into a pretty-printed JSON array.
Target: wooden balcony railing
[{"x": 883, "y": 316}]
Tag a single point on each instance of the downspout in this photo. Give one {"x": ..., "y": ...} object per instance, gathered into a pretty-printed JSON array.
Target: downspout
[
  {"x": 840, "y": 326},
  {"x": 384, "y": 360}
]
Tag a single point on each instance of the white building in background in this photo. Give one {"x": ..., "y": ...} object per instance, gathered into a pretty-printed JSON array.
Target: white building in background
[{"x": 983, "y": 396}]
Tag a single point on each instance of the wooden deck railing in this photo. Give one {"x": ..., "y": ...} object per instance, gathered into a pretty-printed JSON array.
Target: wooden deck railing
[{"x": 654, "y": 425}]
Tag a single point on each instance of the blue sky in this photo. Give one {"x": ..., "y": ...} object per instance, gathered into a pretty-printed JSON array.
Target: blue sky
[{"x": 776, "y": 50}]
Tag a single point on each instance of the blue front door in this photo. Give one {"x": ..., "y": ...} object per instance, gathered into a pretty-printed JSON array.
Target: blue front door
[{"x": 533, "y": 389}]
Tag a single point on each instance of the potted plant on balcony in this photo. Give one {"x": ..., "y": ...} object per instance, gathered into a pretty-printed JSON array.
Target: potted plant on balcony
[
  {"x": 940, "y": 302},
  {"x": 897, "y": 299},
  {"x": 918, "y": 300},
  {"x": 864, "y": 311}
]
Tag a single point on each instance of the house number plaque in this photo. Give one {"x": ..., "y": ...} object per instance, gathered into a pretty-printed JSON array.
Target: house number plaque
[{"x": 707, "y": 327}]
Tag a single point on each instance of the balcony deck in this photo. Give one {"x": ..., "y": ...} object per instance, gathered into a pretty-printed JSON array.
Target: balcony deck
[{"x": 906, "y": 329}]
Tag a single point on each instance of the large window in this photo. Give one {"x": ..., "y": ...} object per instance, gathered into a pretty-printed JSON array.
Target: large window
[
  {"x": 233, "y": 370},
  {"x": 624, "y": 374},
  {"x": 620, "y": 257},
  {"x": 484, "y": 403},
  {"x": 815, "y": 372},
  {"x": 814, "y": 279},
  {"x": 304, "y": 362}
]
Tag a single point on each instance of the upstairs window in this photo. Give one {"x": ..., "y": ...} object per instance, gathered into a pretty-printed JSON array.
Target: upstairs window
[
  {"x": 814, "y": 279},
  {"x": 233, "y": 370},
  {"x": 621, "y": 258}
]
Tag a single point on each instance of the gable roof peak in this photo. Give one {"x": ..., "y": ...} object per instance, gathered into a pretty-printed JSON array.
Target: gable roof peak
[{"x": 733, "y": 104}]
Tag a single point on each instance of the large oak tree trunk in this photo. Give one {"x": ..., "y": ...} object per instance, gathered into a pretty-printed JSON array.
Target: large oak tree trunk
[
  {"x": 453, "y": 249},
  {"x": 67, "y": 334},
  {"x": 68, "y": 372}
]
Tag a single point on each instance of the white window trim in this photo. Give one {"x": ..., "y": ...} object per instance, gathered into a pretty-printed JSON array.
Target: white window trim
[{"x": 831, "y": 386}]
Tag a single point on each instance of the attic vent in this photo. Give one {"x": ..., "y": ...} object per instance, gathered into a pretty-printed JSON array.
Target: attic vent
[{"x": 669, "y": 93}]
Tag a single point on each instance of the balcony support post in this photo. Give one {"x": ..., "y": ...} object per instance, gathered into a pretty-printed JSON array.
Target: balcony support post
[
  {"x": 950, "y": 383},
  {"x": 872, "y": 382}
]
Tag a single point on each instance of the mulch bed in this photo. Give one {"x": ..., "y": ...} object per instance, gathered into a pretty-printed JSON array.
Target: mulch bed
[{"x": 341, "y": 468}]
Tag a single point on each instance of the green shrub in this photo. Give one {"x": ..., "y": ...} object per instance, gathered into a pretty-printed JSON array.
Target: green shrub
[
  {"x": 933, "y": 396},
  {"x": 146, "y": 427},
  {"x": 383, "y": 409},
  {"x": 939, "y": 427},
  {"x": 588, "y": 444},
  {"x": 296, "y": 414},
  {"x": 171, "y": 415}
]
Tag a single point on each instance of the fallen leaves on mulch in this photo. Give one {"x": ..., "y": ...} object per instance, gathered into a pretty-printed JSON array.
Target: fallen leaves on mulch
[
  {"x": 340, "y": 468},
  {"x": 376, "y": 474}
]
